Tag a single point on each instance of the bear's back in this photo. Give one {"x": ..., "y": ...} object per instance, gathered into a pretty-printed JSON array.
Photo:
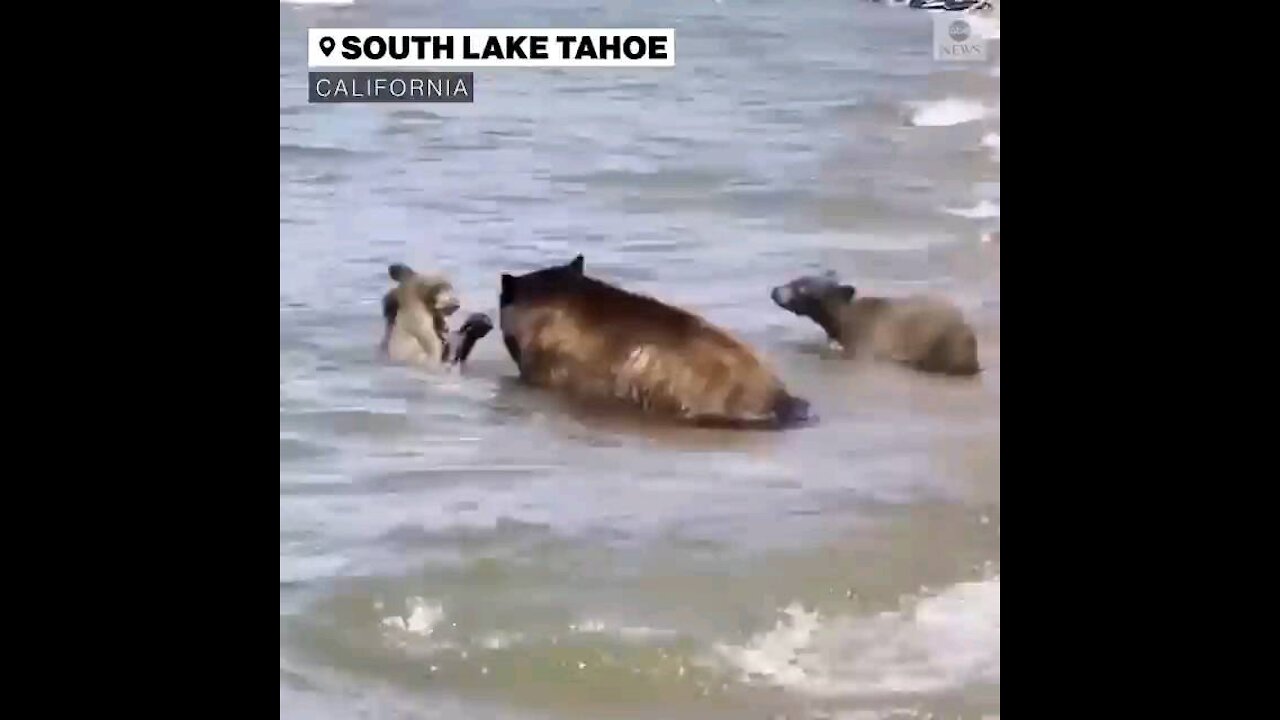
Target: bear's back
[
  {"x": 596, "y": 339},
  {"x": 925, "y": 331}
]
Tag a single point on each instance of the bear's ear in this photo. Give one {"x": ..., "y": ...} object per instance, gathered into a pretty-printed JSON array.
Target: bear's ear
[
  {"x": 508, "y": 288},
  {"x": 577, "y": 264},
  {"x": 400, "y": 272},
  {"x": 846, "y": 292}
]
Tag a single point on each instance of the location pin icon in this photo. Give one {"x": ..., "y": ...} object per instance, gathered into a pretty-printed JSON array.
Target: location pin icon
[{"x": 326, "y": 45}]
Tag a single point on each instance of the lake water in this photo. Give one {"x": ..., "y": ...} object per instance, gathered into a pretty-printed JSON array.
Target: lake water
[{"x": 458, "y": 546}]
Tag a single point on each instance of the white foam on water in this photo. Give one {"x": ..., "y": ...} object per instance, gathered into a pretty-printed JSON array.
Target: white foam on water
[
  {"x": 948, "y": 111},
  {"x": 992, "y": 140},
  {"x": 933, "y": 644},
  {"x": 983, "y": 210},
  {"x": 500, "y": 640},
  {"x": 422, "y": 619},
  {"x": 590, "y": 626}
]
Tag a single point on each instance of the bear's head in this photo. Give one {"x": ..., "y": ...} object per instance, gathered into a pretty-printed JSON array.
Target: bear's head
[
  {"x": 516, "y": 288},
  {"x": 435, "y": 292},
  {"x": 813, "y": 296}
]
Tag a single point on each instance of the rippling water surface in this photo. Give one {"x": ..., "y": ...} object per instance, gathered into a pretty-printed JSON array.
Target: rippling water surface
[{"x": 457, "y": 546}]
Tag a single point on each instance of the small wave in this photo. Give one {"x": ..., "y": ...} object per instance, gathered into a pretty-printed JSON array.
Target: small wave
[
  {"x": 323, "y": 178},
  {"x": 289, "y": 151},
  {"x": 415, "y": 114},
  {"x": 983, "y": 210},
  {"x": 629, "y": 633},
  {"x": 929, "y": 645},
  {"x": 950, "y": 111}
]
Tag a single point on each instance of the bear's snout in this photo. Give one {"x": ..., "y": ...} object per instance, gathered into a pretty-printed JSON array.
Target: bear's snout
[
  {"x": 478, "y": 324},
  {"x": 447, "y": 303},
  {"x": 781, "y": 296}
]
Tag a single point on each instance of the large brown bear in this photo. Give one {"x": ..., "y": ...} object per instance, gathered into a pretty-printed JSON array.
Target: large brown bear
[
  {"x": 416, "y": 313},
  {"x": 592, "y": 341},
  {"x": 925, "y": 333}
]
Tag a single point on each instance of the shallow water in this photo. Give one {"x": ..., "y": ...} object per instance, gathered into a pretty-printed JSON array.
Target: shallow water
[{"x": 457, "y": 546}]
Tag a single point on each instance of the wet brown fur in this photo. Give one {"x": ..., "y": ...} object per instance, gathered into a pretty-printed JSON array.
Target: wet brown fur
[
  {"x": 926, "y": 333},
  {"x": 594, "y": 341}
]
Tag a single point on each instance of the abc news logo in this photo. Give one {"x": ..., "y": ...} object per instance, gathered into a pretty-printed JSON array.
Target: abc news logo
[{"x": 955, "y": 40}]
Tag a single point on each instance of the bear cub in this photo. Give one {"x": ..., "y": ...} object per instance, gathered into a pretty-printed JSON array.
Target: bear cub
[
  {"x": 925, "y": 333},
  {"x": 416, "y": 314}
]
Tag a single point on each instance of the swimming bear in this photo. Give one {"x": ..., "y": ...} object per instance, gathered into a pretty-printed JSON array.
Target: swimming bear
[
  {"x": 415, "y": 313},
  {"x": 593, "y": 341},
  {"x": 925, "y": 333}
]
